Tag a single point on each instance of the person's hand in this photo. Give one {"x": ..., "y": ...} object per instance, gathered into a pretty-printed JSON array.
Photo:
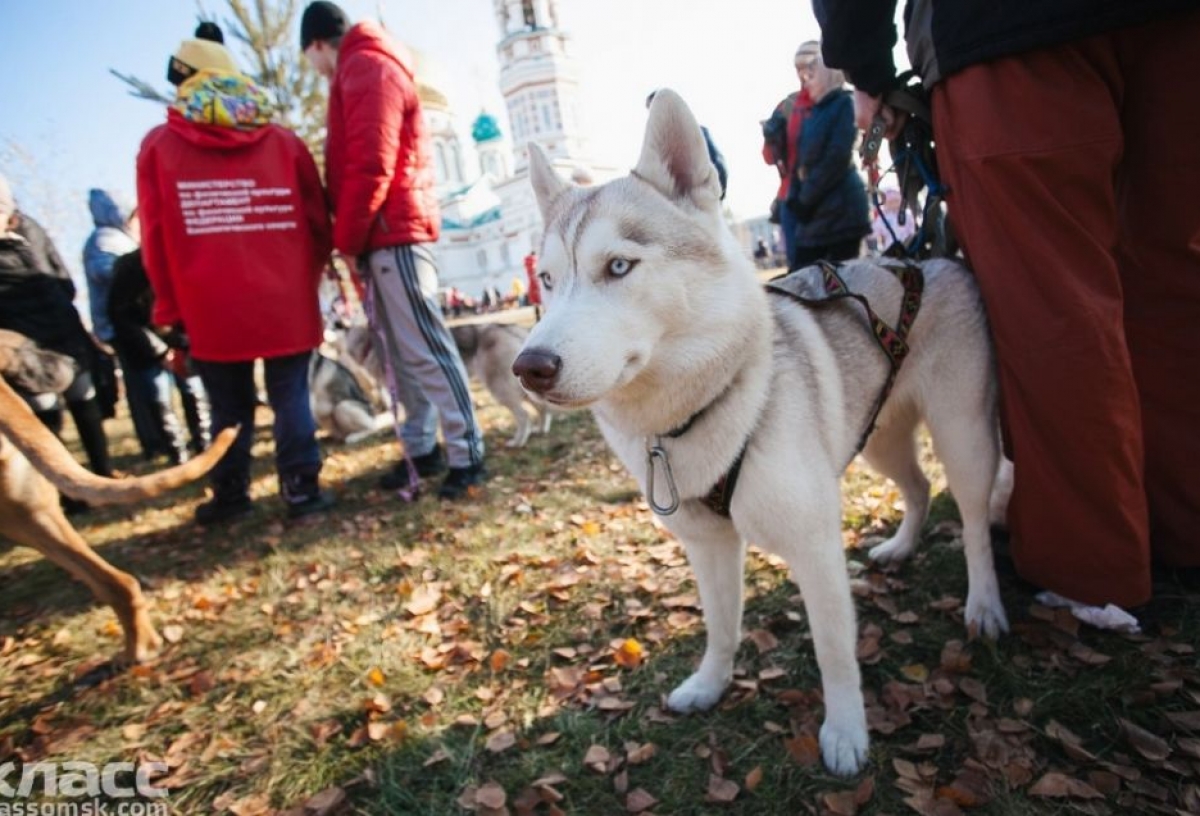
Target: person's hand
[
  {"x": 175, "y": 361},
  {"x": 867, "y": 106},
  {"x": 351, "y": 263}
]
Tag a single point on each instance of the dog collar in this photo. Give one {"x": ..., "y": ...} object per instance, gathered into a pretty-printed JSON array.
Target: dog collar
[{"x": 719, "y": 497}]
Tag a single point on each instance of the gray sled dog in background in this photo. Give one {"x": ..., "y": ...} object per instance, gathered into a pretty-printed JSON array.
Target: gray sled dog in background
[
  {"x": 655, "y": 320},
  {"x": 488, "y": 351},
  {"x": 339, "y": 401}
]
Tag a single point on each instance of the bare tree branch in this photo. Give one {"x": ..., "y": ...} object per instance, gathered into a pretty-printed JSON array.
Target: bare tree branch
[{"x": 140, "y": 88}]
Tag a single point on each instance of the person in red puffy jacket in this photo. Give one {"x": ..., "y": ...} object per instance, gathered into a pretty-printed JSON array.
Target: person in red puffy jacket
[
  {"x": 380, "y": 176},
  {"x": 235, "y": 235},
  {"x": 534, "y": 290}
]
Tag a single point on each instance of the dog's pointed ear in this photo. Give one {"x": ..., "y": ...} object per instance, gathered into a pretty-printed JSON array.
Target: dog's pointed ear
[
  {"x": 674, "y": 154},
  {"x": 547, "y": 186}
]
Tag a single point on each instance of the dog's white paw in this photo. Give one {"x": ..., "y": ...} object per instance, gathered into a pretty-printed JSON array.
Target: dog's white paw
[
  {"x": 696, "y": 694},
  {"x": 985, "y": 614},
  {"x": 844, "y": 748},
  {"x": 892, "y": 551}
]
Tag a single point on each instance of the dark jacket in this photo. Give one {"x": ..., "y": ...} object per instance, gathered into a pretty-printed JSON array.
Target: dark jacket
[
  {"x": 37, "y": 305},
  {"x": 130, "y": 304},
  {"x": 714, "y": 155},
  {"x": 45, "y": 256},
  {"x": 945, "y": 36},
  {"x": 830, "y": 202}
]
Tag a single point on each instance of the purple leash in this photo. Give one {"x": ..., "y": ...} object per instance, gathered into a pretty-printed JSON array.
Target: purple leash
[{"x": 412, "y": 490}]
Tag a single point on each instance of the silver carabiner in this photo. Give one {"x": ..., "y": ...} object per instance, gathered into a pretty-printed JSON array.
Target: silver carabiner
[{"x": 653, "y": 454}]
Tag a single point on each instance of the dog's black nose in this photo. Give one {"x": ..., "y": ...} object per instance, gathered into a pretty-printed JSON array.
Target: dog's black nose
[{"x": 538, "y": 369}]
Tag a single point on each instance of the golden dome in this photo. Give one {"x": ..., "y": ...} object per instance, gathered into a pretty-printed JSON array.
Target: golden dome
[{"x": 429, "y": 75}]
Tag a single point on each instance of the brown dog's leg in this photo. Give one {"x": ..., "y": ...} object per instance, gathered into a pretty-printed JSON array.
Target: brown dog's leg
[{"x": 35, "y": 520}]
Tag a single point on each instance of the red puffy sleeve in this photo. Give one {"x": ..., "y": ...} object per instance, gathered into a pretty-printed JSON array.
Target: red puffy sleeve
[
  {"x": 150, "y": 214},
  {"x": 373, "y": 92}
]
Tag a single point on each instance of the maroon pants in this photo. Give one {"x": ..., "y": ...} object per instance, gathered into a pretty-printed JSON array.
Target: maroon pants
[{"x": 1074, "y": 177}]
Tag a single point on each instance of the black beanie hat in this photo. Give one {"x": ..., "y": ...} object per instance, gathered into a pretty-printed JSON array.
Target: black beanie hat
[
  {"x": 322, "y": 20},
  {"x": 208, "y": 30}
]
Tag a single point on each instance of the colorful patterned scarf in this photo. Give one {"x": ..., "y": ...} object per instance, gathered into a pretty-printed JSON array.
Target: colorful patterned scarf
[{"x": 224, "y": 99}]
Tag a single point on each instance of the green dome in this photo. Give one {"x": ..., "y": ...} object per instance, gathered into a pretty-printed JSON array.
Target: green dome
[{"x": 486, "y": 128}]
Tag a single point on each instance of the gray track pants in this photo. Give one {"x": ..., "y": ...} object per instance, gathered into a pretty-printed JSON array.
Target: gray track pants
[{"x": 431, "y": 380}]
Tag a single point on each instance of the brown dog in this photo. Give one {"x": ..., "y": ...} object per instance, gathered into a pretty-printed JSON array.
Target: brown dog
[{"x": 34, "y": 466}]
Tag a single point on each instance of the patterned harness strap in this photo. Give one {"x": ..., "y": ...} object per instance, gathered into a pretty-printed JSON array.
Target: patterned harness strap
[{"x": 893, "y": 341}]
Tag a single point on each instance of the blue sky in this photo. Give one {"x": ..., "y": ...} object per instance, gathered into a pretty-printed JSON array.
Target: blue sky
[{"x": 79, "y": 128}]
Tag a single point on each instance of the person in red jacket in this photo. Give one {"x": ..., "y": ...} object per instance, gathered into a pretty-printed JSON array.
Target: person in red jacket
[
  {"x": 781, "y": 140},
  {"x": 235, "y": 235},
  {"x": 534, "y": 290},
  {"x": 379, "y": 170}
]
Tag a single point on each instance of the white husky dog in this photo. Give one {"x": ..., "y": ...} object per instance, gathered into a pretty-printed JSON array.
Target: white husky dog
[{"x": 655, "y": 319}]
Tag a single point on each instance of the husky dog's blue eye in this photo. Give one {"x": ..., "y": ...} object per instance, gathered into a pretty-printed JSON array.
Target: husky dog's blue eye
[
  {"x": 619, "y": 267},
  {"x": 544, "y": 277}
]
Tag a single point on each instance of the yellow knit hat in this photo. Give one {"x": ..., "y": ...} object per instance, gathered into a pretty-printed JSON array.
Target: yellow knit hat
[{"x": 198, "y": 55}]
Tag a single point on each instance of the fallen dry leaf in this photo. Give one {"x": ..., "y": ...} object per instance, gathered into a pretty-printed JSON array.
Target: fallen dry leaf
[
  {"x": 630, "y": 654},
  {"x": 383, "y": 731},
  {"x": 638, "y": 800},
  {"x": 201, "y": 683},
  {"x": 637, "y": 754},
  {"x": 424, "y": 600},
  {"x": 840, "y": 803},
  {"x": 926, "y": 804},
  {"x": 721, "y": 790},
  {"x": 499, "y": 660},
  {"x": 491, "y": 795},
  {"x": 325, "y": 803},
  {"x": 1059, "y": 785},
  {"x": 973, "y": 689},
  {"x": 597, "y": 758},
  {"x": 1072, "y": 744},
  {"x": 754, "y": 778},
  {"x": 763, "y": 640},
  {"x": 804, "y": 749},
  {"x": 1185, "y": 720},
  {"x": 377, "y": 704},
  {"x": 376, "y": 677},
  {"x": 501, "y": 741},
  {"x": 1152, "y": 747},
  {"x": 257, "y": 804}
]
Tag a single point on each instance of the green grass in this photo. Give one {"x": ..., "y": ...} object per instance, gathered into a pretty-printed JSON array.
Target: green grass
[{"x": 297, "y": 664}]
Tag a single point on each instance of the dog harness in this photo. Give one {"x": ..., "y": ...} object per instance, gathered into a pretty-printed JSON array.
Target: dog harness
[{"x": 892, "y": 341}]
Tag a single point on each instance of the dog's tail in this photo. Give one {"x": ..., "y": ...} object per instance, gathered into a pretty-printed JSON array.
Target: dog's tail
[{"x": 48, "y": 456}]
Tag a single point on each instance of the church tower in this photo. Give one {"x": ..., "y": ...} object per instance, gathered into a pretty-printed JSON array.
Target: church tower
[
  {"x": 490, "y": 147},
  {"x": 539, "y": 82}
]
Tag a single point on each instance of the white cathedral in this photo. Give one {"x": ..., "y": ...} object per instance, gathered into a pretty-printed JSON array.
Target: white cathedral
[{"x": 490, "y": 219}]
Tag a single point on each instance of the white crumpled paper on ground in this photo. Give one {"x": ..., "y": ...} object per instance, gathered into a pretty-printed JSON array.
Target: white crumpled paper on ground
[{"x": 1110, "y": 617}]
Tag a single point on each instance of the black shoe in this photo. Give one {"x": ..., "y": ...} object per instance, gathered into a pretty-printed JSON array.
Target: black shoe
[
  {"x": 303, "y": 495},
  {"x": 222, "y": 508},
  {"x": 427, "y": 465},
  {"x": 310, "y": 505},
  {"x": 460, "y": 480}
]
